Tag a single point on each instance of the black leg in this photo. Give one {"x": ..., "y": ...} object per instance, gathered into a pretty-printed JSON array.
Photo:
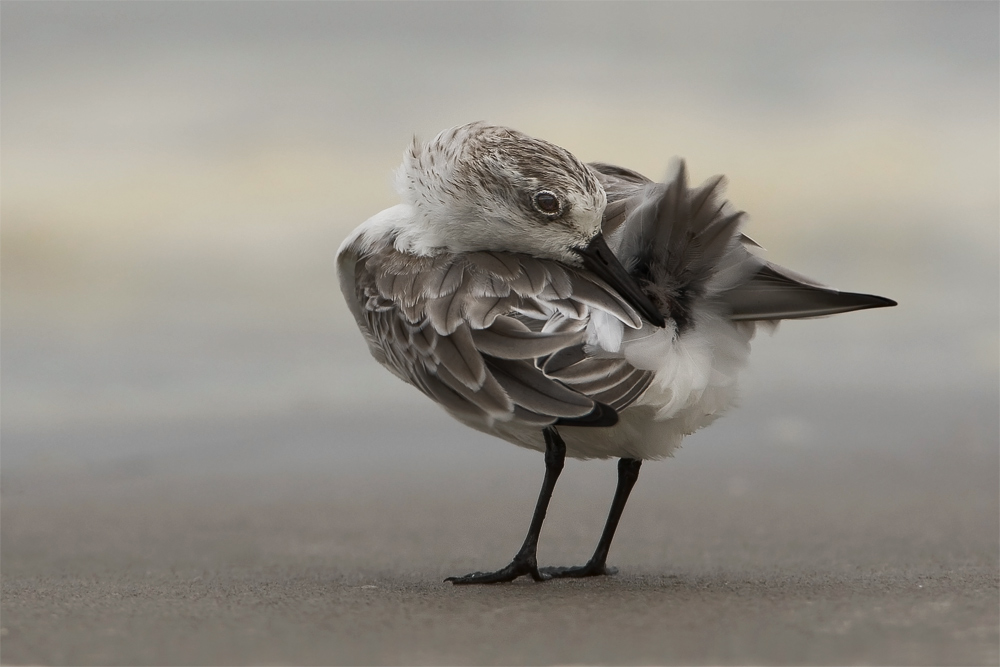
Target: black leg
[
  {"x": 524, "y": 562},
  {"x": 628, "y": 473}
]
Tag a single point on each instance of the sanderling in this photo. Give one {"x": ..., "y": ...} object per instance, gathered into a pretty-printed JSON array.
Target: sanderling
[{"x": 576, "y": 309}]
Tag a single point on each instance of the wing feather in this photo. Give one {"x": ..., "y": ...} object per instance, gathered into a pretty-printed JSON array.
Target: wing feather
[
  {"x": 457, "y": 327},
  {"x": 493, "y": 264},
  {"x": 628, "y": 390},
  {"x": 490, "y": 399},
  {"x": 536, "y": 275},
  {"x": 451, "y": 400},
  {"x": 509, "y": 339},
  {"x": 588, "y": 370},
  {"x": 533, "y": 418},
  {"x": 531, "y": 389},
  {"x": 559, "y": 281}
]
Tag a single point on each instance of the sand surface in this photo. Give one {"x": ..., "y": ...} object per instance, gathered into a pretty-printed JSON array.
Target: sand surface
[{"x": 253, "y": 546}]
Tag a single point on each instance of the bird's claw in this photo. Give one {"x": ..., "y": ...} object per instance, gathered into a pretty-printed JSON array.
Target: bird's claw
[{"x": 517, "y": 568}]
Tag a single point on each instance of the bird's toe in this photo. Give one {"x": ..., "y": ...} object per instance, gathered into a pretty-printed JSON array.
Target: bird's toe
[
  {"x": 591, "y": 569},
  {"x": 516, "y": 569}
]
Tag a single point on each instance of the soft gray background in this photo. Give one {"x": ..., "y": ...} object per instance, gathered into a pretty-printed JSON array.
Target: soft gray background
[{"x": 201, "y": 464}]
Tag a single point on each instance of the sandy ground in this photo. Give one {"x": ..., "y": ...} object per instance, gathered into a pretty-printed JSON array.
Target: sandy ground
[{"x": 253, "y": 546}]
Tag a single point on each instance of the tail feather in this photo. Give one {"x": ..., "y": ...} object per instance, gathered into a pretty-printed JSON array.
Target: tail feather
[
  {"x": 675, "y": 239},
  {"x": 684, "y": 246},
  {"x": 775, "y": 293},
  {"x": 705, "y": 192}
]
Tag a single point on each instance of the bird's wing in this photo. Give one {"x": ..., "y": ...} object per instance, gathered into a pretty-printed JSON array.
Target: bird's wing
[
  {"x": 474, "y": 332},
  {"x": 684, "y": 245}
]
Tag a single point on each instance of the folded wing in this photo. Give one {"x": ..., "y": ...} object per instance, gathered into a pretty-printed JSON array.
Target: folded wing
[{"x": 475, "y": 331}]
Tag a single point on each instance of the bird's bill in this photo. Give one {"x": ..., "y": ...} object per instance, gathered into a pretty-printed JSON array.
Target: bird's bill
[{"x": 598, "y": 258}]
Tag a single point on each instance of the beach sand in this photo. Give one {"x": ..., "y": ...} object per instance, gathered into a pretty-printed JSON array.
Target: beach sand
[{"x": 233, "y": 552}]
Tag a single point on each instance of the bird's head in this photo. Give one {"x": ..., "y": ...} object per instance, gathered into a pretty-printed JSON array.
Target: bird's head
[{"x": 483, "y": 187}]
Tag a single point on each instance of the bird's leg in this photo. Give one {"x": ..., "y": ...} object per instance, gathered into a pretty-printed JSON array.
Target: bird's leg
[
  {"x": 628, "y": 473},
  {"x": 524, "y": 562}
]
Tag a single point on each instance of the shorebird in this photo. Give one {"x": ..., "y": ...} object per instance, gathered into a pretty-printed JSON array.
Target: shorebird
[{"x": 576, "y": 309}]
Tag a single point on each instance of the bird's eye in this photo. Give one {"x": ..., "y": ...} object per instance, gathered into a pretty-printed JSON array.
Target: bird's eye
[{"x": 546, "y": 203}]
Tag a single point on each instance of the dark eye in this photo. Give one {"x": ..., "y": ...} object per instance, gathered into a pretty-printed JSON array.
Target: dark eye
[{"x": 546, "y": 203}]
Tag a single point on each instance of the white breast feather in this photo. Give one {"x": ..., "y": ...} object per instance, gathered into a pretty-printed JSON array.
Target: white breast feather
[{"x": 694, "y": 382}]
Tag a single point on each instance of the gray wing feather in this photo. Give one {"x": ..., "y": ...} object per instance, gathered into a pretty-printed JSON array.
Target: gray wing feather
[
  {"x": 612, "y": 381},
  {"x": 508, "y": 338},
  {"x": 588, "y": 370},
  {"x": 623, "y": 394},
  {"x": 459, "y": 355},
  {"x": 454, "y": 402},
  {"x": 559, "y": 281},
  {"x": 611, "y": 373},
  {"x": 563, "y": 359},
  {"x": 490, "y": 398},
  {"x": 624, "y": 390},
  {"x": 454, "y": 326},
  {"x": 532, "y": 390}
]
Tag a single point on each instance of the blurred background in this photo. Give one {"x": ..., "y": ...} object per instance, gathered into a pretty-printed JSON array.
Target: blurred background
[
  {"x": 177, "y": 178},
  {"x": 184, "y": 393}
]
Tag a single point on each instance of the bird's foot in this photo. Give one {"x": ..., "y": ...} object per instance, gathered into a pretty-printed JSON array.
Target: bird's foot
[
  {"x": 520, "y": 566},
  {"x": 591, "y": 569}
]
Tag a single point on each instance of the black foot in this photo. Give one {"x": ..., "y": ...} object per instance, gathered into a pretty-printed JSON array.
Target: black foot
[
  {"x": 517, "y": 568},
  {"x": 591, "y": 569}
]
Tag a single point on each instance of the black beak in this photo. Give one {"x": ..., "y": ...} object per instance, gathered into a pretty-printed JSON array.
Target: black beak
[{"x": 598, "y": 258}]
